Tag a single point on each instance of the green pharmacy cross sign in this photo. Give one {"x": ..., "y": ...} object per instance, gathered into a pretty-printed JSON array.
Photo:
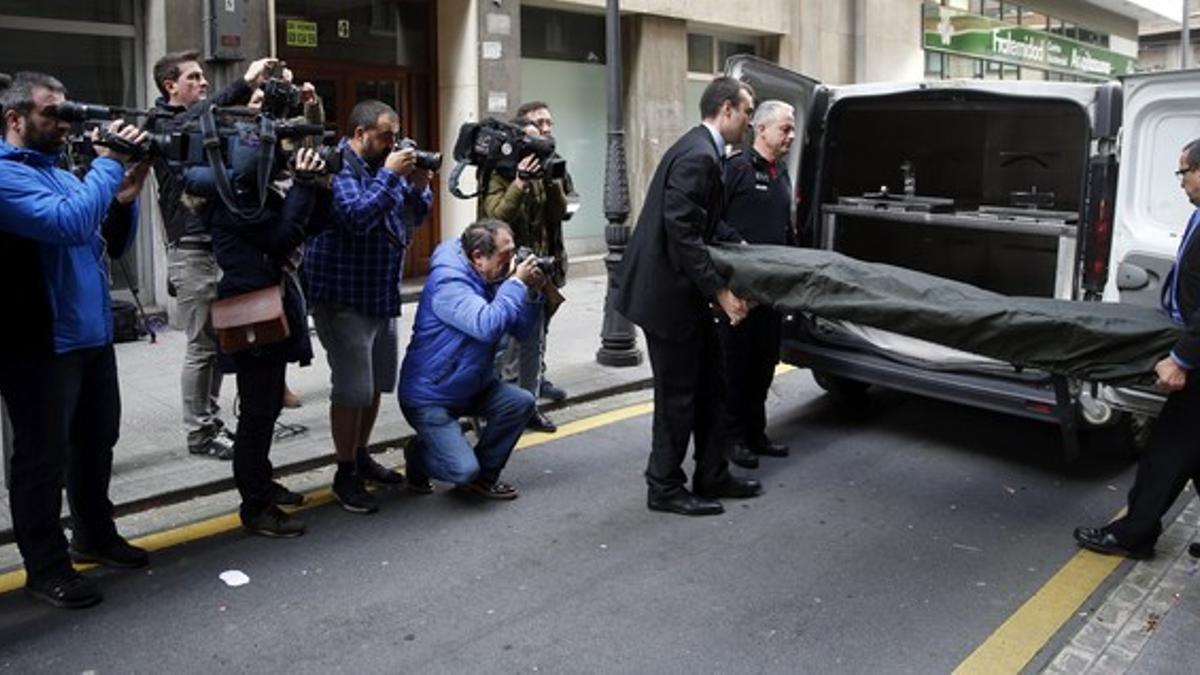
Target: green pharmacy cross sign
[{"x": 955, "y": 32}]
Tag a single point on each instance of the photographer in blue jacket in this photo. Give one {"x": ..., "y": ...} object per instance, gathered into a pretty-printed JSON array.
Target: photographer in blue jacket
[
  {"x": 61, "y": 384},
  {"x": 467, "y": 306}
]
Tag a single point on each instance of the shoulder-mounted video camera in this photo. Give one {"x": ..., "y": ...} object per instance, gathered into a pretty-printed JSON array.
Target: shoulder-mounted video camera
[
  {"x": 172, "y": 145},
  {"x": 491, "y": 145}
]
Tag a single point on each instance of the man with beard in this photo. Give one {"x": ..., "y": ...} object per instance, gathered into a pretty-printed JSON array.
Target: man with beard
[
  {"x": 60, "y": 380},
  {"x": 353, "y": 269}
]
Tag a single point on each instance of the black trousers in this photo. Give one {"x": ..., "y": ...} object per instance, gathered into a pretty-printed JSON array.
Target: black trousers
[
  {"x": 66, "y": 415},
  {"x": 260, "y": 382},
  {"x": 750, "y": 351},
  {"x": 687, "y": 404},
  {"x": 1172, "y": 457}
]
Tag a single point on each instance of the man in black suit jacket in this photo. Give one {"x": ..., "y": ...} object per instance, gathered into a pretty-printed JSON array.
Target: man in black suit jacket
[
  {"x": 670, "y": 288},
  {"x": 1173, "y": 453}
]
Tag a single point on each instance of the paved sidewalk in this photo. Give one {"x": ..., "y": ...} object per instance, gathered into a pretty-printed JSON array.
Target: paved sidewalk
[
  {"x": 152, "y": 466},
  {"x": 1149, "y": 621}
]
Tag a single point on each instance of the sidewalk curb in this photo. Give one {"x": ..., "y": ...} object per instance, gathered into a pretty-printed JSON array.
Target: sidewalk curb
[{"x": 180, "y": 495}]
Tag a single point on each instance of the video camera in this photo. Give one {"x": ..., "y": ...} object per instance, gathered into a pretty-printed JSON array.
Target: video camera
[
  {"x": 171, "y": 145},
  {"x": 492, "y": 145}
]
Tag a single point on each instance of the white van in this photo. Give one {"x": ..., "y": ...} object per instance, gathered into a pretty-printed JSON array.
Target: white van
[{"x": 1047, "y": 189}]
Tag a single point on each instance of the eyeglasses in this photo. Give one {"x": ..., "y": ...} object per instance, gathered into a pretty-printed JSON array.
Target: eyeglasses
[{"x": 1180, "y": 173}]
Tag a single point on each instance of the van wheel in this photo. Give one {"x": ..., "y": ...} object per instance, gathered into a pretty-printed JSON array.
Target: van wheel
[
  {"x": 1124, "y": 439},
  {"x": 842, "y": 388}
]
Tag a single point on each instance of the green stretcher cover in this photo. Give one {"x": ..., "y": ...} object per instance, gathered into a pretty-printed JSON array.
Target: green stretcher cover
[{"x": 1094, "y": 341}]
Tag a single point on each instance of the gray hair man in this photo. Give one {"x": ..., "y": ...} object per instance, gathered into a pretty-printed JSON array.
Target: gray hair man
[{"x": 758, "y": 197}]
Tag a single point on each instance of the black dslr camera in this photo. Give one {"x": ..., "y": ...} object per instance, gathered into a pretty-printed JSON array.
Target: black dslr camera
[
  {"x": 281, "y": 98},
  {"x": 492, "y": 145},
  {"x": 425, "y": 159},
  {"x": 544, "y": 263}
]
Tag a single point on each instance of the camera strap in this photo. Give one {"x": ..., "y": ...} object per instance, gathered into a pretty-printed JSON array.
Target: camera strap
[
  {"x": 455, "y": 173},
  {"x": 212, "y": 150}
]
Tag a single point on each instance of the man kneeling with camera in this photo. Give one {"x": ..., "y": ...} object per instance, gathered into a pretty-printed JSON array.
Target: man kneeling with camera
[{"x": 466, "y": 308}]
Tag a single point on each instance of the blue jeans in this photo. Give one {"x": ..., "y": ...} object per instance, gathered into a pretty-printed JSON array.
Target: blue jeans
[{"x": 444, "y": 452}]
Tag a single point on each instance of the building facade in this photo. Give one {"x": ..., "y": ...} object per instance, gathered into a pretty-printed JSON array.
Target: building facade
[{"x": 451, "y": 61}]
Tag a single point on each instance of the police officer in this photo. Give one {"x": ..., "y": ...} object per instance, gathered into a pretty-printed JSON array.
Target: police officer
[{"x": 758, "y": 197}]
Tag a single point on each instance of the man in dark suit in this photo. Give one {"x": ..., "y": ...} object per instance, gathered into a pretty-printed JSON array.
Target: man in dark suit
[
  {"x": 1173, "y": 453},
  {"x": 670, "y": 288}
]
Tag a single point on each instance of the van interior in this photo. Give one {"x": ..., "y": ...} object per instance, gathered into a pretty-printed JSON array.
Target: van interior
[{"x": 998, "y": 160}]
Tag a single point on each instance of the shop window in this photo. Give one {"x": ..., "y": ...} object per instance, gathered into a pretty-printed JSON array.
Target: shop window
[
  {"x": 562, "y": 36},
  {"x": 962, "y": 67},
  {"x": 990, "y": 9},
  {"x": 934, "y": 68}
]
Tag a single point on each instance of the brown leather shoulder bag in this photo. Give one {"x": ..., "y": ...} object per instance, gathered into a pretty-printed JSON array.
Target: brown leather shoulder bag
[{"x": 251, "y": 319}]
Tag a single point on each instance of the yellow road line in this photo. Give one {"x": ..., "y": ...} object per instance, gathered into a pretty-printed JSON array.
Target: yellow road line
[
  {"x": 229, "y": 522},
  {"x": 1013, "y": 645},
  {"x": 587, "y": 424}
]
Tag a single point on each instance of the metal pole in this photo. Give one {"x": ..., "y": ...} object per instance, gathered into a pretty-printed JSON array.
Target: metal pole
[
  {"x": 1185, "y": 36},
  {"x": 618, "y": 341}
]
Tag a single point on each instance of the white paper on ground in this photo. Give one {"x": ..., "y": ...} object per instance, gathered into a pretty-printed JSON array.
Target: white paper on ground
[{"x": 234, "y": 578}]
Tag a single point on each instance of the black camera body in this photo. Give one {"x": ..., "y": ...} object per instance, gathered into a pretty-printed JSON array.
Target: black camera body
[
  {"x": 281, "y": 99},
  {"x": 544, "y": 263},
  {"x": 424, "y": 159}
]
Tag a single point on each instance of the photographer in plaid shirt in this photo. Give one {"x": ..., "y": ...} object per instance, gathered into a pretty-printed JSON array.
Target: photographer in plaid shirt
[{"x": 353, "y": 269}]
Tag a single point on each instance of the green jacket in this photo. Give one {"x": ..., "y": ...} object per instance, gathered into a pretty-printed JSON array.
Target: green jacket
[{"x": 534, "y": 214}]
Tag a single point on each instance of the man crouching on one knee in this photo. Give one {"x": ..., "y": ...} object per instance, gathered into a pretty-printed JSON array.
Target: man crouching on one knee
[{"x": 467, "y": 306}]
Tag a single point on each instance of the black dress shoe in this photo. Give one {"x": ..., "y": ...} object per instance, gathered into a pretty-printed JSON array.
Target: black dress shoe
[
  {"x": 115, "y": 552},
  {"x": 770, "y": 448},
  {"x": 539, "y": 422},
  {"x": 743, "y": 456},
  {"x": 1194, "y": 549},
  {"x": 1102, "y": 541},
  {"x": 70, "y": 590},
  {"x": 733, "y": 488},
  {"x": 684, "y": 503}
]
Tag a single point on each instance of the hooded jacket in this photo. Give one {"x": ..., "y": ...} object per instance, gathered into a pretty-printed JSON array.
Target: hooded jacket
[
  {"x": 460, "y": 320},
  {"x": 50, "y": 206}
]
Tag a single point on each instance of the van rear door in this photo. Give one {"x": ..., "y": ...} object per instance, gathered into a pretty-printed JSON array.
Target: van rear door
[
  {"x": 771, "y": 81},
  {"x": 1161, "y": 114}
]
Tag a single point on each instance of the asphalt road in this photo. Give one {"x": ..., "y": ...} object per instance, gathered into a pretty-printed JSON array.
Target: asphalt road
[{"x": 895, "y": 539}]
